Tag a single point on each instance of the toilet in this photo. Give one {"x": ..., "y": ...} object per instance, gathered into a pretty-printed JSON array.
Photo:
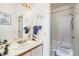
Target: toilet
[{"x": 63, "y": 49}]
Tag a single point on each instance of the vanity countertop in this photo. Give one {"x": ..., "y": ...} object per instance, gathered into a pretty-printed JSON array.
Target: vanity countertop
[{"x": 15, "y": 50}]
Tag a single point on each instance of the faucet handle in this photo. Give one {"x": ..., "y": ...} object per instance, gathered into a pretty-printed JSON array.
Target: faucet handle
[{"x": 5, "y": 41}]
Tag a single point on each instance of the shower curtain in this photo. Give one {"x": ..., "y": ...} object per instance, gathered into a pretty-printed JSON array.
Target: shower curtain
[
  {"x": 61, "y": 27},
  {"x": 65, "y": 30}
]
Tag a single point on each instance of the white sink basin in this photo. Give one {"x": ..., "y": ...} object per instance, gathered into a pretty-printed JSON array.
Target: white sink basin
[{"x": 18, "y": 46}]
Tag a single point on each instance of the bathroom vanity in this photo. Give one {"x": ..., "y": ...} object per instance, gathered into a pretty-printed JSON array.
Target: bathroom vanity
[{"x": 30, "y": 48}]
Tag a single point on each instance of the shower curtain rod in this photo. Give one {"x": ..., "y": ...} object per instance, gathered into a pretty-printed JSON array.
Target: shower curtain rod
[{"x": 61, "y": 10}]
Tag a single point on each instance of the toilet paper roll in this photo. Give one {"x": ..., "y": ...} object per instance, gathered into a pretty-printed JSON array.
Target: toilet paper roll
[{"x": 64, "y": 44}]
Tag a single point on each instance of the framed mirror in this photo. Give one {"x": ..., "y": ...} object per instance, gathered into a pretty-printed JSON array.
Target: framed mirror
[{"x": 20, "y": 26}]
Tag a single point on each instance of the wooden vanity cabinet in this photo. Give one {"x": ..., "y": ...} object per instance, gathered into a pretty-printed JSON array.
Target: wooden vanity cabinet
[
  {"x": 35, "y": 51},
  {"x": 26, "y": 54}
]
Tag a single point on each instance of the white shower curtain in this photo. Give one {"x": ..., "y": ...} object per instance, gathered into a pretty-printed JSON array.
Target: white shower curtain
[{"x": 64, "y": 24}]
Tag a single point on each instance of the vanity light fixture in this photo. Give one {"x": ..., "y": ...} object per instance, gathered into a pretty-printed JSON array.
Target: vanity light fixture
[{"x": 26, "y": 5}]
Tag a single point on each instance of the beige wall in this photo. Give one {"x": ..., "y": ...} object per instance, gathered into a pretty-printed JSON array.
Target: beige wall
[
  {"x": 9, "y": 31},
  {"x": 75, "y": 40}
]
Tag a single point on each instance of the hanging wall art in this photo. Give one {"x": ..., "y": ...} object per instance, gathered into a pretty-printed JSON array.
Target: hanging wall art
[{"x": 5, "y": 18}]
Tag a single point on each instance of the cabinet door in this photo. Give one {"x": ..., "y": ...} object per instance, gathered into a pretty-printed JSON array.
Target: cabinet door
[
  {"x": 37, "y": 51},
  {"x": 27, "y": 54}
]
